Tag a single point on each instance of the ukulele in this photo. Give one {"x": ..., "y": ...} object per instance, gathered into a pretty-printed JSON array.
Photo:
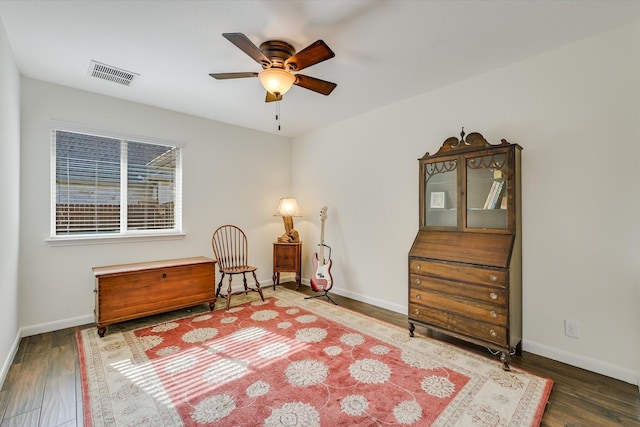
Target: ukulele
[{"x": 321, "y": 279}]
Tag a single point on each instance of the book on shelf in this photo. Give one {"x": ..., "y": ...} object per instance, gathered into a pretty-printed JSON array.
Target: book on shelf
[
  {"x": 494, "y": 194},
  {"x": 497, "y": 195},
  {"x": 503, "y": 203},
  {"x": 490, "y": 195}
]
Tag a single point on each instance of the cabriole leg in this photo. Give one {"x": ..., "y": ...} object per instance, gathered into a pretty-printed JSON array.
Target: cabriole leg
[{"x": 505, "y": 358}]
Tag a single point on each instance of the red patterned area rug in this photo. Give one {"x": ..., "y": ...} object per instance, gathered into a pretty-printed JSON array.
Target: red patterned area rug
[{"x": 288, "y": 361}]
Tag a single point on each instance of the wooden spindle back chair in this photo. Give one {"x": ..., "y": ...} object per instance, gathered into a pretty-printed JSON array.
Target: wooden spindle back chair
[{"x": 231, "y": 249}]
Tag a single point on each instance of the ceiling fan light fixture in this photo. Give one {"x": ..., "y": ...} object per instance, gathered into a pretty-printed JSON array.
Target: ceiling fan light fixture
[{"x": 276, "y": 80}]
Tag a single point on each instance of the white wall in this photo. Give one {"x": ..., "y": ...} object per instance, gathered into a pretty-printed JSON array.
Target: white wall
[
  {"x": 575, "y": 110},
  {"x": 10, "y": 206},
  {"x": 230, "y": 175}
]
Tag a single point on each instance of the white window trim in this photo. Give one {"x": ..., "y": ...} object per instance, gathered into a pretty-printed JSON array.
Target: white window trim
[
  {"x": 130, "y": 236},
  {"x": 110, "y": 133},
  {"x": 99, "y": 239}
]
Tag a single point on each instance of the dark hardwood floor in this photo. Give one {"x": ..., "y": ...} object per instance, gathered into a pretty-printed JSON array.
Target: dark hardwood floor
[{"x": 42, "y": 387}]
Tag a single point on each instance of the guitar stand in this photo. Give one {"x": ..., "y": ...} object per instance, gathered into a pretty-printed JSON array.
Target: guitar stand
[{"x": 326, "y": 294}]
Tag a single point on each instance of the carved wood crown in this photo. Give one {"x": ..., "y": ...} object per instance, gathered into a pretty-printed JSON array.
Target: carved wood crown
[{"x": 473, "y": 141}]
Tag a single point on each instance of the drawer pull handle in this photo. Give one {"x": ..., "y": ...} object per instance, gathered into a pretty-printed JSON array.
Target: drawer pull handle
[
  {"x": 493, "y": 277},
  {"x": 493, "y": 314},
  {"x": 418, "y": 281},
  {"x": 418, "y": 296},
  {"x": 164, "y": 275},
  {"x": 493, "y": 333},
  {"x": 416, "y": 311},
  {"x": 493, "y": 295},
  {"x": 418, "y": 266}
]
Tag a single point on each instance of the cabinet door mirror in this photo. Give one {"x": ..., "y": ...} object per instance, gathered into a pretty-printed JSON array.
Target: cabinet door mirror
[
  {"x": 487, "y": 191},
  {"x": 440, "y": 198}
]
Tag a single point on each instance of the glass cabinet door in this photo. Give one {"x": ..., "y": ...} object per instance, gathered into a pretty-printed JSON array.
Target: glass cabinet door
[
  {"x": 441, "y": 195},
  {"x": 487, "y": 191}
]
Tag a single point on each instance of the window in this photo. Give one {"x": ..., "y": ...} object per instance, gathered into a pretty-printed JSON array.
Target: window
[{"x": 106, "y": 186}]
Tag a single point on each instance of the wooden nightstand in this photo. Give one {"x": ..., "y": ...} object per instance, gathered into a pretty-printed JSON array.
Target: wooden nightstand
[{"x": 287, "y": 258}]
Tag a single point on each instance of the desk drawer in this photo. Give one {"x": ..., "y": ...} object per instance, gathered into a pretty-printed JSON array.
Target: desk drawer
[
  {"x": 491, "y": 295},
  {"x": 464, "y": 273},
  {"x": 473, "y": 310},
  {"x": 458, "y": 324}
]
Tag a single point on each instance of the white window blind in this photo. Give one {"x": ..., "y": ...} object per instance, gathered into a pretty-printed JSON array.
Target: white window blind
[{"x": 114, "y": 186}]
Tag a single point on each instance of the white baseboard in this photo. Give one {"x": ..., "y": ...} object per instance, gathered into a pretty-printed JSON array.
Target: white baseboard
[
  {"x": 7, "y": 363},
  {"x": 42, "y": 328},
  {"x": 398, "y": 308},
  {"x": 593, "y": 365}
]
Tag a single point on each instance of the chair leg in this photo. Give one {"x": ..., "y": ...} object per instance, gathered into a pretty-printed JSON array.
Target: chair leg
[
  {"x": 219, "y": 285},
  {"x": 244, "y": 281},
  {"x": 229, "y": 292},
  {"x": 257, "y": 285}
]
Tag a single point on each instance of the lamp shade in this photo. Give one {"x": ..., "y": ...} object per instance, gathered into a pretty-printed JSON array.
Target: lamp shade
[
  {"x": 288, "y": 207},
  {"x": 276, "y": 80}
]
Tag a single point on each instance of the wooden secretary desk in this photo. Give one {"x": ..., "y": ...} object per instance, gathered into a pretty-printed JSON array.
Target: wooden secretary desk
[{"x": 465, "y": 275}]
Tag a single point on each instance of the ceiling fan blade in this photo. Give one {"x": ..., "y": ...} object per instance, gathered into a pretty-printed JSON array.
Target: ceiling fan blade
[
  {"x": 314, "y": 84},
  {"x": 310, "y": 55},
  {"x": 222, "y": 76},
  {"x": 247, "y": 46},
  {"x": 271, "y": 97}
]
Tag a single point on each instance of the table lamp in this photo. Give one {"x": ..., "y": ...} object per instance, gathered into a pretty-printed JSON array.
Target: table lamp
[{"x": 287, "y": 209}]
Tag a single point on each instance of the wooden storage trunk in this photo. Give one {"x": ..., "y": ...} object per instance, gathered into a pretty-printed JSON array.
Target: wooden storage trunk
[{"x": 130, "y": 291}]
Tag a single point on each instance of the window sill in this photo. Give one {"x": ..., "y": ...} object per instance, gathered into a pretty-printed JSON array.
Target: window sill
[{"x": 105, "y": 239}]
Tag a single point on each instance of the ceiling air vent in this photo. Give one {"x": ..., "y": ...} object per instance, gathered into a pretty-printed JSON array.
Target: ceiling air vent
[{"x": 112, "y": 74}]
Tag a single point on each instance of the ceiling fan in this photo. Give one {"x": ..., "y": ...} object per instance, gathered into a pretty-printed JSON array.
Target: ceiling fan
[{"x": 279, "y": 60}]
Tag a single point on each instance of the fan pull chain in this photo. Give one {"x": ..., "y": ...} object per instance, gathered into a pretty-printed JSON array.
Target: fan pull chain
[{"x": 278, "y": 113}]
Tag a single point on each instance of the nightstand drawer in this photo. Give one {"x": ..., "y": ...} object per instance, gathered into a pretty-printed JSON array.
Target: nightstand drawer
[{"x": 285, "y": 257}]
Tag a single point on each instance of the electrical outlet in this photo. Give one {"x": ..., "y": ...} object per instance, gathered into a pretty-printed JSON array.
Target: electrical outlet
[{"x": 572, "y": 328}]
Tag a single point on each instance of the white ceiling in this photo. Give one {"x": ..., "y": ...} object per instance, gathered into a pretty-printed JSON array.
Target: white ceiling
[{"x": 386, "y": 50}]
